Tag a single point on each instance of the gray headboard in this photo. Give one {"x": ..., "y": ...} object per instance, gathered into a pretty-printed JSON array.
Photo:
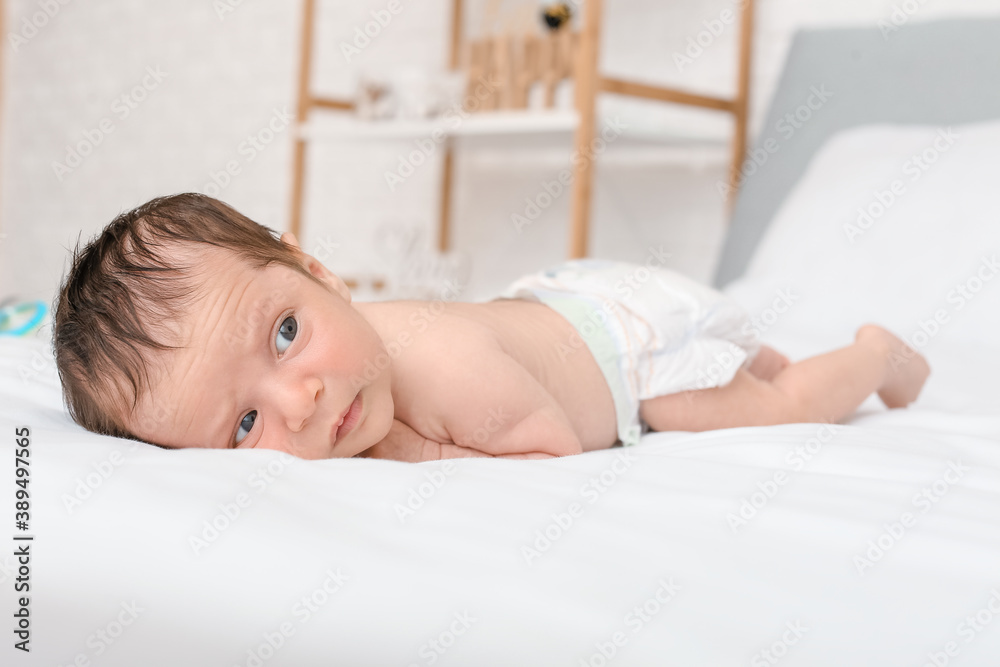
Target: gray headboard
[{"x": 938, "y": 73}]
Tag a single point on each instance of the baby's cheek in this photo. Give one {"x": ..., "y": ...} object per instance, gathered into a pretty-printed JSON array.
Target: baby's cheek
[
  {"x": 375, "y": 354},
  {"x": 361, "y": 357},
  {"x": 370, "y": 348}
]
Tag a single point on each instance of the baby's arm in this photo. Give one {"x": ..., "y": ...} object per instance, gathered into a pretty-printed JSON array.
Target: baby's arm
[
  {"x": 469, "y": 398},
  {"x": 402, "y": 443},
  {"x": 490, "y": 403}
]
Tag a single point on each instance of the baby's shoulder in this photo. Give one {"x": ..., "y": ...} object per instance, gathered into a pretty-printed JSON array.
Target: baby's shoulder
[
  {"x": 434, "y": 347},
  {"x": 436, "y": 332}
]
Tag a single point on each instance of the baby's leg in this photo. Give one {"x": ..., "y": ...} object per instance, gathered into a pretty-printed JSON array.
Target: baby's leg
[
  {"x": 826, "y": 388},
  {"x": 768, "y": 363}
]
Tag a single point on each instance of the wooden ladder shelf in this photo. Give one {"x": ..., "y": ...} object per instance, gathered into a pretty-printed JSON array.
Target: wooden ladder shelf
[{"x": 516, "y": 64}]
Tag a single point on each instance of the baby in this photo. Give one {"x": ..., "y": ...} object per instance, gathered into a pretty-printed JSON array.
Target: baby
[{"x": 186, "y": 324}]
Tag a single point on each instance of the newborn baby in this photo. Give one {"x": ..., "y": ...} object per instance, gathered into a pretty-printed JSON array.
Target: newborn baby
[{"x": 186, "y": 324}]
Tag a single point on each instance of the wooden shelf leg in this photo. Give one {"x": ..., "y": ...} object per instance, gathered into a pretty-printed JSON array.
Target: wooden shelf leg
[
  {"x": 444, "y": 225},
  {"x": 298, "y": 190},
  {"x": 454, "y": 56},
  {"x": 742, "y": 101},
  {"x": 585, "y": 80},
  {"x": 302, "y": 115}
]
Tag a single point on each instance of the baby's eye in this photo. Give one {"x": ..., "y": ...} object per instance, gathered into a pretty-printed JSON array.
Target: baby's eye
[
  {"x": 286, "y": 334},
  {"x": 246, "y": 425}
]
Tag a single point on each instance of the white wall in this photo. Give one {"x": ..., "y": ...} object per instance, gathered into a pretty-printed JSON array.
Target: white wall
[{"x": 226, "y": 75}]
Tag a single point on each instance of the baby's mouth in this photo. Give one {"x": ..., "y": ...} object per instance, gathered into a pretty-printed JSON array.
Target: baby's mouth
[{"x": 349, "y": 420}]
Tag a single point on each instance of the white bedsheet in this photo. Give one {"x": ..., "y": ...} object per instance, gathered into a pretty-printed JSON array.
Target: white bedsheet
[{"x": 645, "y": 563}]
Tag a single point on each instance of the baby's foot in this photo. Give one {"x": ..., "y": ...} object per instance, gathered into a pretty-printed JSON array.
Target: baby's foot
[{"x": 907, "y": 369}]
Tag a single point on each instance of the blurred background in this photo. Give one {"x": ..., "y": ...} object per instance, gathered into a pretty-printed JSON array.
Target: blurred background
[{"x": 108, "y": 103}]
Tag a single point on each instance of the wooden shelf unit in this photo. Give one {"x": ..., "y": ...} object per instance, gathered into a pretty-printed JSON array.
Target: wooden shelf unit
[{"x": 588, "y": 83}]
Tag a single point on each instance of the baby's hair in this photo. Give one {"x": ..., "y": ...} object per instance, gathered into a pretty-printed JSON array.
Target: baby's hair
[{"x": 124, "y": 293}]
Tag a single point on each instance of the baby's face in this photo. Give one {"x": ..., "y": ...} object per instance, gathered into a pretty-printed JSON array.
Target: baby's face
[{"x": 271, "y": 361}]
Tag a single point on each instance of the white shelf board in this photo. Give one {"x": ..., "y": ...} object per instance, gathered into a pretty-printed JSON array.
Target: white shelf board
[
  {"x": 344, "y": 127},
  {"x": 347, "y": 128}
]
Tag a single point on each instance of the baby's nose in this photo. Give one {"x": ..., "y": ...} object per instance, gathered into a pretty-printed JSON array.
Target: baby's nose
[{"x": 300, "y": 401}]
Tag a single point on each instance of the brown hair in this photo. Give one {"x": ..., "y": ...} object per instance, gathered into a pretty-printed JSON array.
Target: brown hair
[{"x": 124, "y": 287}]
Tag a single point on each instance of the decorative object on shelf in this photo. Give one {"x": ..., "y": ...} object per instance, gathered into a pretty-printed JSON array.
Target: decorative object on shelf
[
  {"x": 557, "y": 15},
  {"x": 419, "y": 270},
  {"x": 408, "y": 94},
  {"x": 374, "y": 100},
  {"x": 516, "y": 57}
]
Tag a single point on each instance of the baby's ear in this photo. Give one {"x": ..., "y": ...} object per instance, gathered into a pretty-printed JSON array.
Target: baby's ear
[{"x": 317, "y": 268}]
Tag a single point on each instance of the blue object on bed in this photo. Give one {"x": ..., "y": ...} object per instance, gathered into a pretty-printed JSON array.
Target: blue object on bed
[
  {"x": 22, "y": 319},
  {"x": 938, "y": 73}
]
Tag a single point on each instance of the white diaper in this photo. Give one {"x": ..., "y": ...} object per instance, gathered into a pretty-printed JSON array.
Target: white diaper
[{"x": 652, "y": 331}]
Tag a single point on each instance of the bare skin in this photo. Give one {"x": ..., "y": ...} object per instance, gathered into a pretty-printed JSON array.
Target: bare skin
[{"x": 428, "y": 380}]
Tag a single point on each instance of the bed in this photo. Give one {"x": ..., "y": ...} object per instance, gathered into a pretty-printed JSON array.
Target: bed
[{"x": 870, "y": 542}]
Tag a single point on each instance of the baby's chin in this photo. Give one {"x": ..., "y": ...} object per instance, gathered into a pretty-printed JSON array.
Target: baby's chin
[{"x": 376, "y": 426}]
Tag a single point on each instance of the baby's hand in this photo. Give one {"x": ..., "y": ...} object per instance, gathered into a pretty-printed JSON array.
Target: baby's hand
[{"x": 402, "y": 443}]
